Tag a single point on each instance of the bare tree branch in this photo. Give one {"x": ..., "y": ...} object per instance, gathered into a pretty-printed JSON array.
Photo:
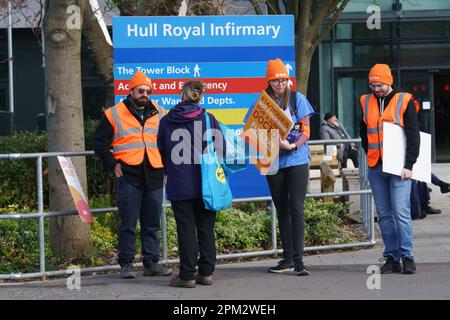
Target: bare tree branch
[
  {"x": 331, "y": 24},
  {"x": 255, "y": 4},
  {"x": 101, "y": 51},
  {"x": 273, "y": 7},
  {"x": 205, "y": 8},
  {"x": 320, "y": 15}
]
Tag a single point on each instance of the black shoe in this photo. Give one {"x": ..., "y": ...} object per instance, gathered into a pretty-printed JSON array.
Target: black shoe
[
  {"x": 282, "y": 267},
  {"x": 391, "y": 266},
  {"x": 126, "y": 272},
  {"x": 156, "y": 270},
  {"x": 299, "y": 269},
  {"x": 431, "y": 210},
  {"x": 445, "y": 187},
  {"x": 409, "y": 267}
]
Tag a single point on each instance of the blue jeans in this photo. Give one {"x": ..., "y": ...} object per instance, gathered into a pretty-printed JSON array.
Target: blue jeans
[
  {"x": 136, "y": 204},
  {"x": 392, "y": 200}
]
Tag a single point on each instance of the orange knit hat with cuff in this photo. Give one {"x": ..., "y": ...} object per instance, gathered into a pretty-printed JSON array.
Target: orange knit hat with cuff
[
  {"x": 276, "y": 70},
  {"x": 381, "y": 73},
  {"x": 139, "y": 79}
]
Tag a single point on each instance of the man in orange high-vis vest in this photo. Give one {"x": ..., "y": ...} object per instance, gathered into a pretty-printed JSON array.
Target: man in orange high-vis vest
[
  {"x": 132, "y": 126},
  {"x": 391, "y": 193}
]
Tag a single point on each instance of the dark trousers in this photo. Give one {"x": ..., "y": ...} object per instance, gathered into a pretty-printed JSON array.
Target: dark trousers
[
  {"x": 288, "y": 190},
  {"x": 195, "y": 230},
  {"x": 416, "y": 212},
  {"x": 423, "y": 194},
  {"x": 352, "y": 154},
  {"x": 136, "y": 203}
]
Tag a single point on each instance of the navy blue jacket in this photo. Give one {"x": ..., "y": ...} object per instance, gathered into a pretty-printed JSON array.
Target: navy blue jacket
[{"x": 182, "y": 167}]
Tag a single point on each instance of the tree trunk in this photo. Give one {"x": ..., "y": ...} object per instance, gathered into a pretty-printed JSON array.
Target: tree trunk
[
  {"x": 69, "y": 237},
  {"x": 303, "y": 63}
]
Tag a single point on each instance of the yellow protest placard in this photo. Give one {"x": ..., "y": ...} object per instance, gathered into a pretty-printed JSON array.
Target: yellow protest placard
[{"x": 264, "y": 128}]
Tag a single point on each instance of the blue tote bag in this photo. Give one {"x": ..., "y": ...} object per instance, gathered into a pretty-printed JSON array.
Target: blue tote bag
[
  {"x": 237, "y": 153},
  {"x": 215, "y": 188}
]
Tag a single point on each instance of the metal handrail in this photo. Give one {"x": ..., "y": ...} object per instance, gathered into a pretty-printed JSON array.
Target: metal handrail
[{"x": 364, "y": 192}]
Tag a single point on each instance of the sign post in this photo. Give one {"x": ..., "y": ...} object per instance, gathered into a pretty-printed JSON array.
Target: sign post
[{"x": 228, "y": 53}]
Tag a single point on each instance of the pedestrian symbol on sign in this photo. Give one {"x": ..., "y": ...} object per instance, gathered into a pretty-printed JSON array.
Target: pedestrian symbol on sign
[{"x": 196, "y": 71}]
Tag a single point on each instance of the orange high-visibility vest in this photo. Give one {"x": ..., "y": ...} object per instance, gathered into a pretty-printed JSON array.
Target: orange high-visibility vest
[
  {"x": 393, "y": 113},
  {"x": 131, "y": 139}
]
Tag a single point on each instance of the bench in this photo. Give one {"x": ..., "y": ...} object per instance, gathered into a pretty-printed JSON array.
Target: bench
[
  {"x": 328, "y": 167},
  {"x": 318, "y": 155}
]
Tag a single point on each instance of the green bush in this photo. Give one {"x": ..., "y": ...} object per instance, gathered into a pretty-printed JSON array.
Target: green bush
[
  {"x": 106, "y": 225},
  {"x": 172, "y": 238},
  {"x": 323, "y": 222},
  {"x": 19, "y": 242},
  {"x": 18, "y": 177},
  {"x": 237, "y": 230}
]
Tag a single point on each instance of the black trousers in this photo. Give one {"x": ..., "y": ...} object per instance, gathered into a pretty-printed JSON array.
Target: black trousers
[
  {"x": 195, "y": 230},
  {"x": 352, "y": 154},
  {"x": 141, "y": 204},
  {"x": 288, "y": 190}
]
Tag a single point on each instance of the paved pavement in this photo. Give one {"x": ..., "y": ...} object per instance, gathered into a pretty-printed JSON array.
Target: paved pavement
[{"x": 333, "y": 276}]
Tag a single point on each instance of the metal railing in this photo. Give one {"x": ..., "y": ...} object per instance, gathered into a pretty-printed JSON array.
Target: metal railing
[{"x": 366, "y": 205}]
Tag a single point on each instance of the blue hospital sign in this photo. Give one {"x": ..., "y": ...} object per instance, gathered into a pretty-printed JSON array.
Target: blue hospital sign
[{"x": 228, "y": 53}]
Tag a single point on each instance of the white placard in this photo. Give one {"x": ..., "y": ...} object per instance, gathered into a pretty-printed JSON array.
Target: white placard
[
  {"x": 426, "y": 105},
  {"x": 394, "y": 146}
]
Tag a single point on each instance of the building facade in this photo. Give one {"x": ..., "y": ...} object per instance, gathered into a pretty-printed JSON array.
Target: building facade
[{"x": 413, "y": 38}]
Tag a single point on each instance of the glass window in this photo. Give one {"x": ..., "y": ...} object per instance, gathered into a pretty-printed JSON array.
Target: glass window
[
  {"x": 3, "y": 40},
  {"x": 350, "y": 87},
  {"x": 360, "y": 31},
  {"x": 325, "y": 78},
  {"x": 94, "y": 100},
  {"x": 430, "y": 54},
  {"x": 417, "y": 83},
  {"x": 3, "y": 66},
  {"x": 362, "y": 55},
  {"x": 407, "y": 5},
  {"x": 3, "y": 98},
  {"x": 361, "y": 5},
  {"x": 415, "y": 5},
  {"x": 436, "y": 29}
]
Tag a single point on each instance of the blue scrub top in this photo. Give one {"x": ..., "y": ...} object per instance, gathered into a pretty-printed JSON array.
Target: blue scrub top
[{"x": 301, "y": 155}]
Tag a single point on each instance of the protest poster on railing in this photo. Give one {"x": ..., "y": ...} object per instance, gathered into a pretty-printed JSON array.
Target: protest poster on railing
[{"x": 75, "y": 189}]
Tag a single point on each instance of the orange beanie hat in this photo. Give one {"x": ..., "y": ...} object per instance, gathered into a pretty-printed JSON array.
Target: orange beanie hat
[
  {"x": 381, "y": 73},
  {"x": 276, "y": 70},
  {"x": 139, "y": 79}
]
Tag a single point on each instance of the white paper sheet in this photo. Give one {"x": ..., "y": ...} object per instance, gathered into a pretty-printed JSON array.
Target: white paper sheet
[{"x": 394, "y": 146}]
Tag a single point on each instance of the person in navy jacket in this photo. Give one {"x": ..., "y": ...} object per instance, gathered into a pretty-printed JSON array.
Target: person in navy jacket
[{"x": 181, "y": 142}]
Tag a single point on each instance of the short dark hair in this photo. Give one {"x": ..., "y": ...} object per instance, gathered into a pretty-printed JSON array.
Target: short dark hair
[{"x": 328, "y": 115}]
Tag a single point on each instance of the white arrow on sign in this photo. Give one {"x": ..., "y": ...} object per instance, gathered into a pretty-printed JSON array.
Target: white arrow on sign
[{"x": 289, "y": 68}]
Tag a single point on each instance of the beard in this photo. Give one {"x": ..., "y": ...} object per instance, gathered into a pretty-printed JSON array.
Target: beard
[{"x": 140, "y": 101}]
